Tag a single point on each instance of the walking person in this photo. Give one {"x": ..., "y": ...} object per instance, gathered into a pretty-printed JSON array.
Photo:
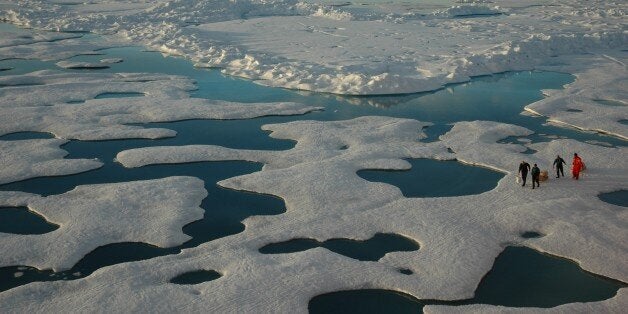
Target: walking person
[
  {"x": 523, "y": 171},
  {"x": 536, "y": 173},
  {"x": 576, "y": 166},
  {"x": 558, "y": 164}
]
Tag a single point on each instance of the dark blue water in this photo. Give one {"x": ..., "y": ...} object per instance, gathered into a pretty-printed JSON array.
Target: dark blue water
[
  {"x": 368, "y": 250},
  {"x": 433, "y": 132},
  {"x": 521, "y": 277},
  {"x": 619, "y": 198},
  {"x": 118, "y": 95},
  {"x": 25, "y": 136},
  {"x": 20, "y": 220},
  {"x": 195, "y": 277},
  {"x": 224, "y": 211},
  {"x": 531, "y": 235},
  {"x": 435, "y": 178},
  {"x": 21, "y": 66}
]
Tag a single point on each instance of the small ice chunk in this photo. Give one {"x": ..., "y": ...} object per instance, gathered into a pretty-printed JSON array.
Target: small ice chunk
[{"x": 111, "y": 60}]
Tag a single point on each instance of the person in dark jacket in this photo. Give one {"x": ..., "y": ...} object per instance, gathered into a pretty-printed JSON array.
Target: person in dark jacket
[
  {"x": 558, "y": 164},
  {"x": 523, "y": 171},
  {"x": 536, "y": 173}
]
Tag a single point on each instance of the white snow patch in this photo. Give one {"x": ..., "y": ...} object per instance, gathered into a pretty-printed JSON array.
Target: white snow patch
[
  {"x": 111, "y": 60},
  {"x": 81, "y": 65}
]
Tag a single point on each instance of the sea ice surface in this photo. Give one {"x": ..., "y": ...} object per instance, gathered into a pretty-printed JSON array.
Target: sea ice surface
[
  {"x": 315, "y": 47},
  {"x": 41, "y": 102},
  {"x": 325, "y": 199},
  {"x": 376, "y": 49},
  {"x": 335, "y": 49},
  {"x": 82, "y": 65},
  {"x": 583, "y": 103},
  {"x": 35, "y": 158},
  {"x": 153, "y": 211}
]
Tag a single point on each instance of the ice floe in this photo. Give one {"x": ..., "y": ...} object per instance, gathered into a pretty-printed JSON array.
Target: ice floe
[
  {"x": 82, "y": 65},
  {"x": 584, "y": 104},
  {"x": 55, "y": 49},
  {"x": 111, "y": 60},
  {"x": 103, "y": 119},
  {"x": 18, "y": 37},
  {"x": 47, "y": 87},
  {"x": 325, "y": 199},
  {"x": 90, "y": 216},
  {"x": 41, "y": 102},
  {"x": 27, "y": 159}
]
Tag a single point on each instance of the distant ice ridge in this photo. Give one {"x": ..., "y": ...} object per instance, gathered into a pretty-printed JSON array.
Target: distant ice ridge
[
  {"x": 308, "y": 46},
  {"x": 459, "y": 236}
]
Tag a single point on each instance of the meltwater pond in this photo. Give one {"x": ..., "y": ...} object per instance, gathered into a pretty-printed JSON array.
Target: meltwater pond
[
  {"x": 368, "y": 250},
  {"x": 619, "y": 198},
  {"x": 20, "y": 220},
  {"x": 521, "y": 277},
  {"x": 499, "y": 97},
  {"x": 435, "y": 178}
]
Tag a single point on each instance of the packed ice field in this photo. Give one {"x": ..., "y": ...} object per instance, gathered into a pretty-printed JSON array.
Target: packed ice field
[{"x": 262, "y": 155}]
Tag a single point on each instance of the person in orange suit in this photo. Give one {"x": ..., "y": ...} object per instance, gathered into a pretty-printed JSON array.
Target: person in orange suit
[{"x": 576, "y": 166}]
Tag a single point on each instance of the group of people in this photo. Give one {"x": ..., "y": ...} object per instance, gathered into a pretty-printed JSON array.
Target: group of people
[{"x": 576, "y": 167}]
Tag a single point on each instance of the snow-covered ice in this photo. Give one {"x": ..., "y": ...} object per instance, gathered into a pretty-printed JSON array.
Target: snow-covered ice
[
  {"x": 82, "y": 65},
  {"x": 383, "y": 49},
  {"x": 326, "y": 199},
  {"x": 38, "y": 102},
  {"x": 347, "y": 49},
  {"x": 47, "y": 87},
  {"x": 54, "y": 49},
  {"x": 581, "y": 104},
  {"x": 19, "y": 37},
  {"x": 27, "y": 159},
  {"x": 315, "y": 47},
  {"x": 90, "y": 216},
  {"x": 111, "y": 60}
]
